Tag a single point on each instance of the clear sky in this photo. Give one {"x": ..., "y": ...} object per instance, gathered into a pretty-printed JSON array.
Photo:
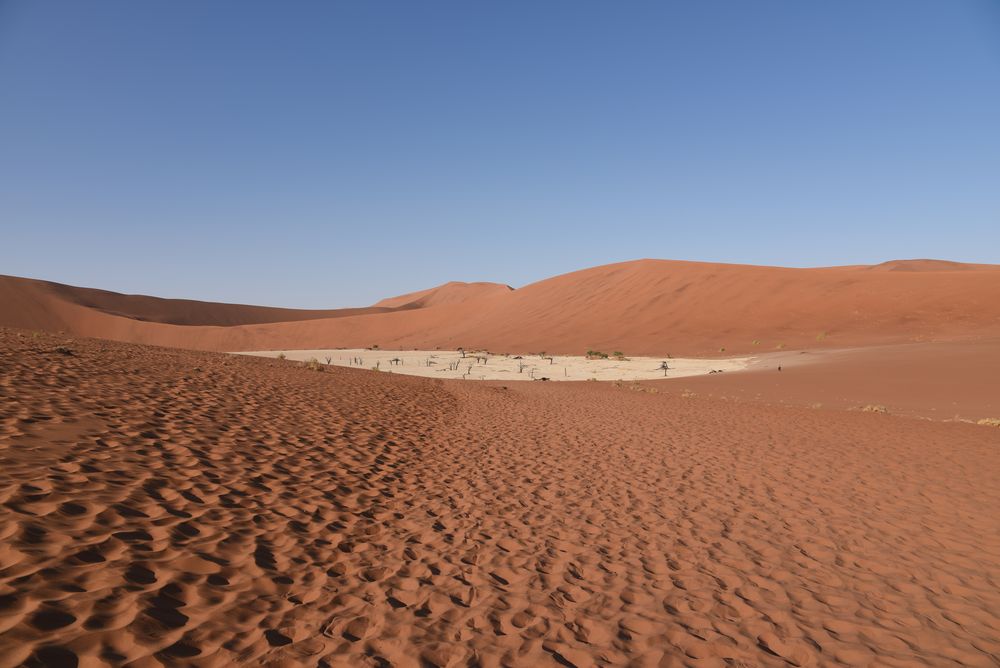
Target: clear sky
[{"x": 323, "y": 154}]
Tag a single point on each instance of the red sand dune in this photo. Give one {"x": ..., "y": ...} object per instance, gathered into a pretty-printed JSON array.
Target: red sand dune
[
  {"x": 449, "y": 293},
  {"x": 171, "y": 507},
  {"x": 47, "y": 306},
  {"x": 929, "y": 265},
  {"x": 642, "y": 307}
]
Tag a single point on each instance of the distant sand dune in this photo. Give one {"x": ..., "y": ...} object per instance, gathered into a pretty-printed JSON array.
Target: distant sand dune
[
  {"x": 48, "y": 306},
  {"x": 449, "y": 293},
  {"x": 646, "y": 307}
]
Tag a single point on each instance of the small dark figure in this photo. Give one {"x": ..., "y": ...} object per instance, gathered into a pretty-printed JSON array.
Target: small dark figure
[{"x": 779, "y": 367}]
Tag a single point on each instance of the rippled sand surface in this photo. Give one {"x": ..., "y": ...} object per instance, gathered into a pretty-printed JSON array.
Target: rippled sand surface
[{"x": 165, "y": 507}]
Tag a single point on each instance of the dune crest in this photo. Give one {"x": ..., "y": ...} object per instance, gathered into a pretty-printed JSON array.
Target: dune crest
[
  {"x": 644, "y": 307},
  {"x": 449, "y": 293},
  {"x": 931, "y": 265},
  {"x": 33, "y": 304}
]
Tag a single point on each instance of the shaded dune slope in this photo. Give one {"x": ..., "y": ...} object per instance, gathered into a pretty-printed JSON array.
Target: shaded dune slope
[
  {"x": 643, "y": 307},
  {"x": 34, "y": 304},
  {"x": 175, "y": 506}
]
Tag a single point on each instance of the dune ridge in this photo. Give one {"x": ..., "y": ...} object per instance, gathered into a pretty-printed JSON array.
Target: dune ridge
[
  {"x": 448, "y": 293},
  {"x": 644, "y": 307},
  {"x": 44, "y": 305},
  {"x": 166, "y": 507}
]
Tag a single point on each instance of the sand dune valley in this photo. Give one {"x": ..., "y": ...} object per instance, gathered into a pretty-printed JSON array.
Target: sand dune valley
[{"x": 197, "y": 484}]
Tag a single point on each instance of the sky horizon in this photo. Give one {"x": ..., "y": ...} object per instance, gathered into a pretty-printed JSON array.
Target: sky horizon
[{"x": 333, "y": 154}]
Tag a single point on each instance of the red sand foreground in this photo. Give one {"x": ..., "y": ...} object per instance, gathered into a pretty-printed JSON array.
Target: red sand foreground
[{"x": 164, "y": 507}]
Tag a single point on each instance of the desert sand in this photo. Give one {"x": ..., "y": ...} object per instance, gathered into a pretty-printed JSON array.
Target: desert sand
[
  {"x": 169, "y": 507},
  {"x": 646, "y": 307},
  {"x": 483, "y": 365},
  {"x": 182, "y": 506},
  {"x": 950, "y": 381}
]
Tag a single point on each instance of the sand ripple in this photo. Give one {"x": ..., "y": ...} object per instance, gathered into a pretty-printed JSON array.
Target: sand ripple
[{"x": 162, "y": 507}]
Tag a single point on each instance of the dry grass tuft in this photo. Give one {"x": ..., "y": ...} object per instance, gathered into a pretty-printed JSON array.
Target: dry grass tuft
[
  {"x": 990, "y": 422},
  {"x": 874, "y": 408},
  {"x": 635, "y": 386}
]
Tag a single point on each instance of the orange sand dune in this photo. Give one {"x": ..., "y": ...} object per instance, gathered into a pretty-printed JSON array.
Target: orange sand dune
[
  {"x": 170, "y": 507},
  {"x": 43, "y": 305},
  {"x": 643, "y": 307},
  {"x": 449, "y": 293},
  {"x": 930, "y": 265}
]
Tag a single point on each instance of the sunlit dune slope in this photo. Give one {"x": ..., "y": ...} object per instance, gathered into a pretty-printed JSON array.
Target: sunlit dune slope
[
  {"x": 642, "y": 307},
  {"x": 449, "y": 293}
]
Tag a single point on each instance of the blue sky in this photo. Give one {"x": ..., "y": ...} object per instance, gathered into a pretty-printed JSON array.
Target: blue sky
[{"x": 323, "y": 154}]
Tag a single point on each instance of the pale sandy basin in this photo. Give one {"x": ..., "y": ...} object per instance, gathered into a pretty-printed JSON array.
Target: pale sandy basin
[{"x": 486, "y": 366}]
